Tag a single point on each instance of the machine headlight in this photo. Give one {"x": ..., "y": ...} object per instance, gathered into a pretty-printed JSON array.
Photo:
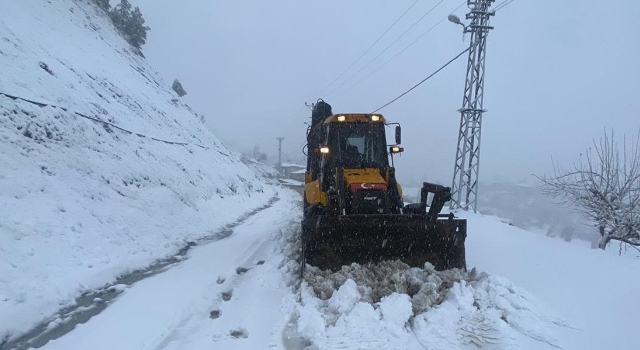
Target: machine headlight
[
  {"x": 375, "y": 118},
  {"x": 341, "y": 118},
  {"x": 324, "y": 150},
  {"x": 396, "y": 149}
]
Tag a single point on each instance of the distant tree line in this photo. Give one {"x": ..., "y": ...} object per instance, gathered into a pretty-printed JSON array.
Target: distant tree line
[{"x": 128, "y": 20}]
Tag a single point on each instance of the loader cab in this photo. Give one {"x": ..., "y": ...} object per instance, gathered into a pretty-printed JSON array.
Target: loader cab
[
  {"x": 352, "y": 141},
  {"x": 348, "y": 166},
  {"x": 353, "y": 169},
  {"x": 358, "y": 145}
]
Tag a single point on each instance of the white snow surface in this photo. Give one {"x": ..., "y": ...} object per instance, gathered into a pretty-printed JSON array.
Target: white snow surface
[
  {"x": 82, "y": 202},
  {"x": 239, "y": 277},
  {"x": 395, "y": 307},
  {"x": 207, "y": 302}
]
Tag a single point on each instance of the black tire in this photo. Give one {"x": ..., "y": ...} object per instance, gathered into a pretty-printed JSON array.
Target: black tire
[{"x": 306, "y": 206}]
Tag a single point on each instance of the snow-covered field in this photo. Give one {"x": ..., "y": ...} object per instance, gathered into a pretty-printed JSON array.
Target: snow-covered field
[{"x": 597, "y": 292}]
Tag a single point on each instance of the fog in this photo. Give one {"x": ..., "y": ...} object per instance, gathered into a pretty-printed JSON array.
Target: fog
[{"x": 557, "y": 74}]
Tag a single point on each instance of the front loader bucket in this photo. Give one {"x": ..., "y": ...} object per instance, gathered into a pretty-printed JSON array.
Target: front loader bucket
[{"x": 329, "y": 242}]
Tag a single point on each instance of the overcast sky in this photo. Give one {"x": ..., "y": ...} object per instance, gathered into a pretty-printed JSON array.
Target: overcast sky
[{"x": 557, "y": 73}]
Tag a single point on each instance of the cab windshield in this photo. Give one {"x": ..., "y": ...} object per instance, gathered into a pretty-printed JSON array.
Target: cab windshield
[{"x": 360, "y": 145}]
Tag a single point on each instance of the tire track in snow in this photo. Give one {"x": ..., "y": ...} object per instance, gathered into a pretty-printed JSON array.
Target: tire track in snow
[
  {"x": 246, "y": 302},
  {"x": 173, "y": 310},
  {"x": 92, "y": 302}
]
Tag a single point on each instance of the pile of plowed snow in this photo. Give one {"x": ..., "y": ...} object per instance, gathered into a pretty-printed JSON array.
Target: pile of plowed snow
[
  {"x": 426, "y": 287},
  {"x": 392, "y": 306}
]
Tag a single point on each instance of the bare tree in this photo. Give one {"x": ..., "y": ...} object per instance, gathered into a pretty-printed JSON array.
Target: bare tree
[{"x": 605, "y": 187}]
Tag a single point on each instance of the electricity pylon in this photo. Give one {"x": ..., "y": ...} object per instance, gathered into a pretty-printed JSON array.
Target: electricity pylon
[{"x": 467, "y": 168}]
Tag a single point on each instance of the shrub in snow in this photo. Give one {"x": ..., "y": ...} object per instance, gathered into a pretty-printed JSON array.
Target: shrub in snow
[
  {"x": 121, "y": 14},
  {"x": 177, "y": 87},
  {"x": 130, "y": 23},
  {"x": 46, "y": 68}
]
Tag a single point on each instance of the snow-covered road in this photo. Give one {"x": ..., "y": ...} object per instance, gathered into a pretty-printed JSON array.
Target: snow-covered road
[{"x": 227, "y": 294}]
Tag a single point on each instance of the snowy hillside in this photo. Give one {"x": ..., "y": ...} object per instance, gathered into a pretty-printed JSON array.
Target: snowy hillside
[{"x": 103, "y": 170}]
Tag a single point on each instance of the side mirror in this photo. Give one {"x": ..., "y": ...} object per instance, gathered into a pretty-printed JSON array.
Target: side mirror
[
  {"x": 396, "y": 149},
  {"x": 398, "y": 135}
]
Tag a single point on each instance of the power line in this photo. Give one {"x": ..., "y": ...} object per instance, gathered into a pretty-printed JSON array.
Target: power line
[
  {"x": 386, "y": 48},
  {"x": 422, "y": 81},
  {"x": 370, "y": 47},
  {"x": 402, "y": 51},
  {"x": 502, "y": 5},
  {"x": 105, "y": 124}
]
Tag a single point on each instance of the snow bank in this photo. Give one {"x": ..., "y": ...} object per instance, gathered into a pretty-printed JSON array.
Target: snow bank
[
  {"x": 595, "y": 290},
  {"x": 425, "y": 286},
  {"x": 392, "y": 306},
  {"x": 82, "y": 200}
]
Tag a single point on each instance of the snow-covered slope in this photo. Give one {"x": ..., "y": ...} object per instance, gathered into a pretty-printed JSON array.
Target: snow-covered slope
[{"x": 105, "y": 170}]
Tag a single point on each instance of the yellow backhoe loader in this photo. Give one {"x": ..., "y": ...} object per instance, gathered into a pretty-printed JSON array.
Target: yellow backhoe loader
[{"x": 353, "y": 206}]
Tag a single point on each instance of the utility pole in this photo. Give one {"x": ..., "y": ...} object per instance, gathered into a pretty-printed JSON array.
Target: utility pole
[
  {"x": 465, "y": 174},
  {"x": 280, "y": 152}
]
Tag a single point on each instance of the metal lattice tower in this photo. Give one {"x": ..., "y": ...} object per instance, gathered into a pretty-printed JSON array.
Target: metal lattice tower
[{"x": 467, "y": 168}]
